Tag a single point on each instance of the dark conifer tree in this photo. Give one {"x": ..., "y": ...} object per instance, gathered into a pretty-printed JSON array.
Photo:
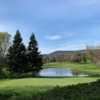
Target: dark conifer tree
[
  {"x": 34, "y": 57},
  {"x": 17, "y": 59}
]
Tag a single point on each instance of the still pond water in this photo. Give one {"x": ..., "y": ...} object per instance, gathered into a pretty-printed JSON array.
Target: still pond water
[{"x": 60, "y": 72}]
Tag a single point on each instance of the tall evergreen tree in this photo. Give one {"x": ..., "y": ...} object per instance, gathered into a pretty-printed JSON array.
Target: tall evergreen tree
[
  {"x": 17, "y": 59},
  {"x": 34, "y": 57}
]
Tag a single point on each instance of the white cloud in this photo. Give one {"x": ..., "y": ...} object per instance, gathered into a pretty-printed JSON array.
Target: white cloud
[{"x": 54, "y": 37}]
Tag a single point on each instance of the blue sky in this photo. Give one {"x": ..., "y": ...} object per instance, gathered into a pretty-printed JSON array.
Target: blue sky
[{"x": 57, "y": 24}]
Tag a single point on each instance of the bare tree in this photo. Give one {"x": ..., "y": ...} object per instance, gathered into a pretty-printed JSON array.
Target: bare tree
[
  {"x": 93, "y": 53},
  {"x": 4, "y": 45}
]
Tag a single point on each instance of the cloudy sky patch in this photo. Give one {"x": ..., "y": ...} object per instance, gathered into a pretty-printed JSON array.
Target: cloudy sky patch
[
  {"x": 54, "y": 22},
  {"x": 54, "y": 37}
]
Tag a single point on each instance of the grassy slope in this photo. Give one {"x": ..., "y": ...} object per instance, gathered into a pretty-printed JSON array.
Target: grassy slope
[
  {"x": 75, "y": 66},
  {"x": 90, "y": 91},
  {"x": 39, "y": 84},
  {"x": 41, "y": 89},
  {"x": 27, "y": 88}
]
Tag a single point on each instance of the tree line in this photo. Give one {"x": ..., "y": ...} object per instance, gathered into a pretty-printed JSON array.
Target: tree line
[
  {"x": 74, "y": 56},
  {"x": 21, "y": 59}
]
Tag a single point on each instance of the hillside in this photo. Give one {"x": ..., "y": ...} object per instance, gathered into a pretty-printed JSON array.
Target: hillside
[{"x": 62, "y": 55}]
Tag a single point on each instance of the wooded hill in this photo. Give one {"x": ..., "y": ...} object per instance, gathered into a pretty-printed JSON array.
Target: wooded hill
[{"x": 63, "y": 55}]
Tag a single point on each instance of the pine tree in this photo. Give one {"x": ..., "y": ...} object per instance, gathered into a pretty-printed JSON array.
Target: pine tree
[
  {"x": 17, "y": 59},
  {"x": 34, "y": 57}
]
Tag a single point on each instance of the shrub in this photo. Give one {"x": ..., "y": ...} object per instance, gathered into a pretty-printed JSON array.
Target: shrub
[{"x": 4, "y": 71}]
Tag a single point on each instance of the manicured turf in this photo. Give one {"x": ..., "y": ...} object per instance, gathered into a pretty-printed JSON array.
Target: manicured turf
[
  {"x": 33, "y": 88},
  {"x": 40, "y": 84},
  {"x": 43, "y": 89},
  {"x": 91, "y": 68}
]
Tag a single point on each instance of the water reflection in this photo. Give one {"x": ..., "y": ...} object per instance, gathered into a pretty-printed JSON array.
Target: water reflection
[{"x": 59, "y": 72}]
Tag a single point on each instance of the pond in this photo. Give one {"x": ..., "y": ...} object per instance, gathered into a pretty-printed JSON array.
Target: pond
[{"x": 60, "y": 72}]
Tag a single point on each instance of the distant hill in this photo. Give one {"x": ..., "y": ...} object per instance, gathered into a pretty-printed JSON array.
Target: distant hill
[
  {"x": 62, "y": 55},
  {"x": 58, "y": 53},
  {"x": 66, "y": 52}
]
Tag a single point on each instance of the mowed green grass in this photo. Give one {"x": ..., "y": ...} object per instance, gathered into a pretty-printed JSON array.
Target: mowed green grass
[
  {"x": 34, "y": 85},
  {"x": 91, "y": 68},
  {"x": 30, "y": 86}
]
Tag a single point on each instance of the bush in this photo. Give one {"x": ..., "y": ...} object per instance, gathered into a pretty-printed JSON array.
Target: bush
[
  {"x": 4, "y": 71},
  {"x": 22, "y": 75}
]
